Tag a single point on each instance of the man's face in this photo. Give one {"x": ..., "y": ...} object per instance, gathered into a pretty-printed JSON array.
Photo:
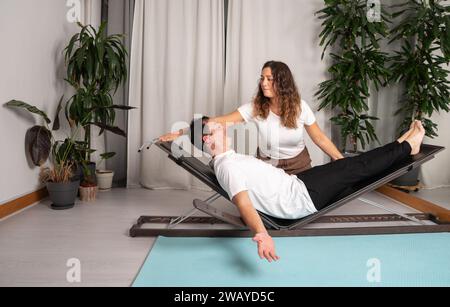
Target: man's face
[{"x": 215, "y": 136}]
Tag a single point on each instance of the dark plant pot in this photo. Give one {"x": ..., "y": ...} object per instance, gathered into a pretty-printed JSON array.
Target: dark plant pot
[
  {"x": 63, "y": 195},
  {"x": 409, "y": 179},
  {"x": 79, "y": 173}
]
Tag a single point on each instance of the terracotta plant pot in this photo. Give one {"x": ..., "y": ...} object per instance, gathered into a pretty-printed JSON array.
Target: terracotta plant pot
[{"x": 88, "y": 193}]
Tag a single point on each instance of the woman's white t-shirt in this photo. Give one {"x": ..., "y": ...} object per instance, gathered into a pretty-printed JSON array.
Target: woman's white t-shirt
[{"x": 276, "y": 141}]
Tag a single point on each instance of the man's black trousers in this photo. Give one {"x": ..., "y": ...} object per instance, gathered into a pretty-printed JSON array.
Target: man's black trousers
[{"x": 326, "y": 182}]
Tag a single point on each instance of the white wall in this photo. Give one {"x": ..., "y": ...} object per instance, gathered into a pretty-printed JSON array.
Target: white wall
[{"x": 33, "y": 36}]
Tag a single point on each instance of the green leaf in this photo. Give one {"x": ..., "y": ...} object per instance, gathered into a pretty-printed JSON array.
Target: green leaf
[
  {"x": 56, "y": 124},
  {"x": 29, "y": 108},
  {"x": 107, "y": 155},
  {"x": 115, "y": 130},
  {"x": 69, "y": 48},
  {"x": 120, "y": 107}
]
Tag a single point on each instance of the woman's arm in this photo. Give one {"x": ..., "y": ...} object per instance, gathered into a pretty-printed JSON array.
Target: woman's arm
[
  {"x": 231, "y": 119},
  {"x": 321, "y": 140}
]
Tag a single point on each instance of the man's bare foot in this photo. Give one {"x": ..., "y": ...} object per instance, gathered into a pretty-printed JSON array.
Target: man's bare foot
[
  {"x": 407, "y": 133},
  {"x": 416, "y": 137}
]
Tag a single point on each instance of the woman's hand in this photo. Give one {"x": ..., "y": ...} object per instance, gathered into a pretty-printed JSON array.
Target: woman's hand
[
  {"x": 266, "y": 246},
  {"x": 169, "y": 137}
]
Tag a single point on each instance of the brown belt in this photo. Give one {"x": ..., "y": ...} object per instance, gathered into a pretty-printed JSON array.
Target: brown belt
[{"x": 292, "y": 166}]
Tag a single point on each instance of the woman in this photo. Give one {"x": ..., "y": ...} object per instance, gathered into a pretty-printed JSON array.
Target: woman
[{"x": 281, "y": 117}]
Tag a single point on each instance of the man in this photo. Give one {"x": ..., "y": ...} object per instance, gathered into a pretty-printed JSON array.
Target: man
[{"x": 255, "y": 185}]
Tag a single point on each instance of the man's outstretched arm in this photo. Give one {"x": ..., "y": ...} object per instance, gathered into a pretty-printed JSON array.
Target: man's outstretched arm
[{"x": 266, "y": 246}]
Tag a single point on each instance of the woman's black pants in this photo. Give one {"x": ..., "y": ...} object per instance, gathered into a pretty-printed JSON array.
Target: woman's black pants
[{"x": 326, "y": 182}]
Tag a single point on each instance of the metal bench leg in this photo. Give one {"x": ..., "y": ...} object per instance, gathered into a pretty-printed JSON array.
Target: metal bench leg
[
  {"x": 174, "y": 222},
  {"x": 411, "y": 218},
  {"x": 212, "y": 199}
]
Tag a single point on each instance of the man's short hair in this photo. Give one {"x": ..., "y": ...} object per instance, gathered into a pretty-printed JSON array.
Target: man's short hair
[{"x": 197, "y": 131}]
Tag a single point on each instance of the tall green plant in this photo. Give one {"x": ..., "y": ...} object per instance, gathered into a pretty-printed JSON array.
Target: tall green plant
[
  {"x": 425, "y": 31},
  {"x": 96, "y": 66},
  {"x": 357, "y": 63}
]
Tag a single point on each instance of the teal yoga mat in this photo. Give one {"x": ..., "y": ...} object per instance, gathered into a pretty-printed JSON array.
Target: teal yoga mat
[{"x": 382, "y": 260}]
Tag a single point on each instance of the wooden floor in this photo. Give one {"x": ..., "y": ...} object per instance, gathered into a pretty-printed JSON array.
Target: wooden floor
[{"x": 36, "y": 244}]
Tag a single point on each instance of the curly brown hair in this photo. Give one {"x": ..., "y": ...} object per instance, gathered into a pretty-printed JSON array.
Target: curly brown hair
[{"x": 287, "y": 92}]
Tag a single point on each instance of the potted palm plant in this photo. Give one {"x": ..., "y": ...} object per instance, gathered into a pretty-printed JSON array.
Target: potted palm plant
[
  {"x": 420, "y": 65},
  {"x": 41, "y": 145},
  {"x": 96, "y": 66},
  {"x": 357, "y": 63}
]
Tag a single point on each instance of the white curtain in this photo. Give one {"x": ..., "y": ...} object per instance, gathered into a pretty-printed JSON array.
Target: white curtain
[
  {"x": 176, "y": 71},
  {"x": 287, "y": 30},
  {"x": 92, "y": 12},
  {"x": 282, "y": 30}
]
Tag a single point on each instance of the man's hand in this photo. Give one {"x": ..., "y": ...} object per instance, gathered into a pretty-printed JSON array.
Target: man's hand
[{"x": 266, "y": 246}]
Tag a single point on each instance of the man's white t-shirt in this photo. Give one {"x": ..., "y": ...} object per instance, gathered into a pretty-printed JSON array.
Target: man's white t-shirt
[
  {"x": 276, "y": 141},
  {"x": 270, "y": 189}
]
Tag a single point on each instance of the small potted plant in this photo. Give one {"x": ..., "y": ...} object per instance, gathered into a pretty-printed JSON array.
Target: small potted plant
[
  {"x": 59, "y": 178},
  {"x": 105, "y": 177},
  {"x": 61, "y": 185},
  {"x": 88, "y": 187}
]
